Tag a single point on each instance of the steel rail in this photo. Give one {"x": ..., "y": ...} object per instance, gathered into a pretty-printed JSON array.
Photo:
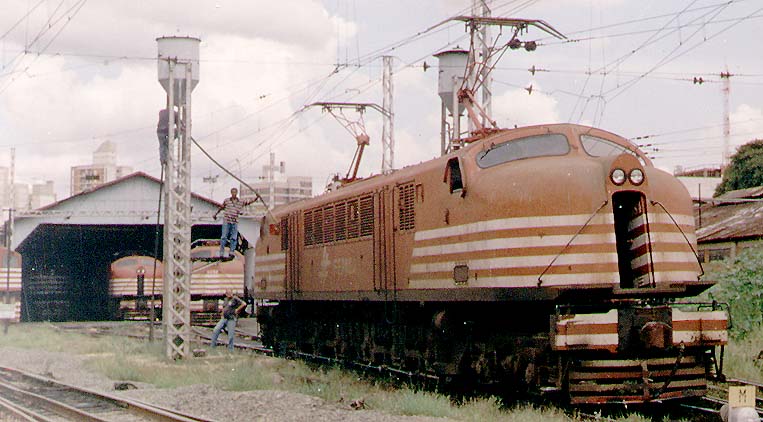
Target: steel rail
[
  {"x": 21, "y": 413},
  {"x": 133, "y": 407},
  {"x": 37, "y": 401},
  {"x": 745, "y": 382}
]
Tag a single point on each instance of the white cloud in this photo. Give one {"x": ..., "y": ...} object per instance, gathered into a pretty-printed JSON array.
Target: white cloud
[
  {"x": 518, "y": 107},
  {"x": 747, "y": 122},
  {"x": 245, "y": 47}
]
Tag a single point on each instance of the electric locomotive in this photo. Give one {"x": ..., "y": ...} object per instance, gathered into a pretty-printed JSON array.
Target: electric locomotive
[
  {"x": 131, "y": 283},
  {"x": 546, "y": 258},
  {"x": 10, "y": 271}
]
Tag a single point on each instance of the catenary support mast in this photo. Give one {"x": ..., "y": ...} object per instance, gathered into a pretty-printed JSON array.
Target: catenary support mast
[
  {"x": 388, "y": 130},
  {"x": 178, "y": 73}
]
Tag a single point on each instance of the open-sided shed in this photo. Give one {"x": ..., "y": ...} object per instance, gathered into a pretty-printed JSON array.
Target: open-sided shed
[{"x": 67, "y": 247}]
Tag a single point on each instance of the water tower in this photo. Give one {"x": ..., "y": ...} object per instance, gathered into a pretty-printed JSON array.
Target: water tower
[
  {"x": 452, "y": 68},
  {"x": 178, "y": 66}
]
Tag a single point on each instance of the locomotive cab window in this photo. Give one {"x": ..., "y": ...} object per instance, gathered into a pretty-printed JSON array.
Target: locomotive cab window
[
  {"x": 453, "y": 175},
  {"x": 517, "y": 149},
  {"x": 600, "y": 147}
]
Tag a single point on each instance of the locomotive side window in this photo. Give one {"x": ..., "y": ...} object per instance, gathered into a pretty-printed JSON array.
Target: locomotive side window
[
  {"x": 529, "y": 147},
  {"x": 406, "y": 202},
  {"x": 600, "y": 147},
  {"x": 453, "y": 175}
]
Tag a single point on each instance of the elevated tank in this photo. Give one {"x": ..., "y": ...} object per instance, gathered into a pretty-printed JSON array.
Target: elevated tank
[
  {"x": 183, "y": 50},
  {"x": 452, "y": 64}
]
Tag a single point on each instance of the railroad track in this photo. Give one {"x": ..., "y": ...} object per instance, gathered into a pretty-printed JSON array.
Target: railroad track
[
  {"x": 28, "y": 397},
  {"x": 707, "y": 405},
  {"x": 716, "y": 398}
]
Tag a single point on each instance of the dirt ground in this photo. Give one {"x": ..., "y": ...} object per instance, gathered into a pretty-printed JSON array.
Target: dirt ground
[{"x": 198, "y": 400}]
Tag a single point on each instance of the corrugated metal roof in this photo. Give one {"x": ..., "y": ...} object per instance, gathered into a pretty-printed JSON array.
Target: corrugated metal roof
[
  {"x": 732, "y": 221},
  {"x": 133, "y": 176},
  {"x": 756, "y": 192},
  {"x": 130, "y": 200}
]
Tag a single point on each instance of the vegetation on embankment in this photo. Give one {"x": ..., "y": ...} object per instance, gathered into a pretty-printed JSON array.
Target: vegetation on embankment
[
  {"x": 740, "y": 284},
  {"x": 126, "y": 359}
]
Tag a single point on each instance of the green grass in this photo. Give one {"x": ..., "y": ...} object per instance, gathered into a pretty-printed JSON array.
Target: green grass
[
  {"x": 744, "y": 355},
  {"x": 132, "y": 360}
]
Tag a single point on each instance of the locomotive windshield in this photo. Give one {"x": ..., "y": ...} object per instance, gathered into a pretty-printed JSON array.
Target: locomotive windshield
[
  {"x": 529, "y": 147},
  {"x": 600, "y": 147}
]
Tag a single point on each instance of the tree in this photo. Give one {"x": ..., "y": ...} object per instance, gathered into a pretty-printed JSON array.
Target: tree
[{"x": 745, "y": 169}]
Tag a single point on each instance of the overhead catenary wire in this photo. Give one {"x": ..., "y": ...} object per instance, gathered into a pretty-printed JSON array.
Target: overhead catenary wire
[
  {"x": 231, "y": 174},
  {"x": 70, "y": 14},
  {"x": 21, "y": 19},
  {"x": 571, "y": 39}
]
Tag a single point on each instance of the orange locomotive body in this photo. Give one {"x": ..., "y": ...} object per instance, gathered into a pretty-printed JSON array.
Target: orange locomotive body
[
  {"x": 10, "y": 282},
  {"x": 541, "y": 258},
  {"x": 131, "y": 282}
]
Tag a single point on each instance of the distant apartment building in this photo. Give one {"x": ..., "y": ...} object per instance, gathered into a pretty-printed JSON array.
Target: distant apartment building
[
  {"x": 42, "y": 194},
  {"x": 276, "y": 188},
  {"x": 103, "y": 170},
  {"x": 25, "y": 196}
]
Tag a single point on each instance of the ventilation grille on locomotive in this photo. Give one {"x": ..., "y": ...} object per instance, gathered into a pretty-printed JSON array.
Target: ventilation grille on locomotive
[
  {"x": 343, "y": 220},
  {"x": 406, "y": 201}
]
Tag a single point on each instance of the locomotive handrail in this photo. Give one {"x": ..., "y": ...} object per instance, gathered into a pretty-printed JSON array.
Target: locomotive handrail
[
  {"x": 681, "y": 350},
  {"x": 701, "y": 269},
  {"x": 540, "y": 280}
]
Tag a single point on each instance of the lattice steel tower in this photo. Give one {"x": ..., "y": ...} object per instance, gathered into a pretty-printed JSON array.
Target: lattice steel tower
[
  {"x": 178, "y": 62},
  {"x": 388, "y": 129}
]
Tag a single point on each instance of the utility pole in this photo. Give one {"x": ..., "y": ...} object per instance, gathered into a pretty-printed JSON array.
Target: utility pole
[
  {"x": 271, "y": 181},
  {"x": 726, "y": 78},
  {"x": 212, "y": 180},
  {"x": 9, "y": 236},
  {"x": 178, "y": 65},
  {"x": 388, "y": 129}
]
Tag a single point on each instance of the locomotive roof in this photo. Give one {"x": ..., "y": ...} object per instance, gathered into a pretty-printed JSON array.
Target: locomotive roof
[{"x": 368, "y": 184}]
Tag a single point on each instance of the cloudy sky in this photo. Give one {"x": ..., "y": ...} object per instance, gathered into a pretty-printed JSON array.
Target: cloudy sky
[{"x": 74, "y": 73}]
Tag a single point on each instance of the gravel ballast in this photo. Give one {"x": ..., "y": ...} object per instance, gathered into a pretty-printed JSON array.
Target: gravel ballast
[{"x": 198, "y": 400}]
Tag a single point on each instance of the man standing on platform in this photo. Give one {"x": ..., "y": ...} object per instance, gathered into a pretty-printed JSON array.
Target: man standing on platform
[{"x": 232, "y": 208}]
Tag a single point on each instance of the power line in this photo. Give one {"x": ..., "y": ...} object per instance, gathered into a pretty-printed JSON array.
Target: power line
[
  {"x": 72, "y": 12},
  {"x": 29, "y": 12}
]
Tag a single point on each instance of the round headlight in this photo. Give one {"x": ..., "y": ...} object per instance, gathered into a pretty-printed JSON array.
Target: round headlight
[
  {"x": 618, "y": 176},
  {"x": 637, "y": 176}
]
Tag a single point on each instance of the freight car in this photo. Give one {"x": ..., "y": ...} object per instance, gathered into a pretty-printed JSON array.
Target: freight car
[
  {"x": 547, "y": 258},
  {"x": 131, "y": 279}
]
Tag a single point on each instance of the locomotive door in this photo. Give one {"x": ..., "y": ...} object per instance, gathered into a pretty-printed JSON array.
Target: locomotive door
[
  {"x": 293, "y": 254},
  {"x": 384, "y": 254}
]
